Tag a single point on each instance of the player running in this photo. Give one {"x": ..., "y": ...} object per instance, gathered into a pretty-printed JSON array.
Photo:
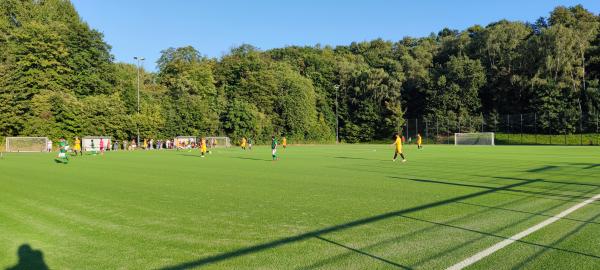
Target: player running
[
  {"x": 243, "y": 144},
  {"x": 284, "y": 142},
  {"x": 419, "y": 141},
  {"x": 274, "y": 148},
  {"x": 398, "y": 144},
  {"x": 202, "y": 146},
  {"x": 62, "y": 152},
  {"x": 77, "y": 147}
]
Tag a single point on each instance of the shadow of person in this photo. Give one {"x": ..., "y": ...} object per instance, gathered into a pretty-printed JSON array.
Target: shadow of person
[{"x": 29, "y": 259}]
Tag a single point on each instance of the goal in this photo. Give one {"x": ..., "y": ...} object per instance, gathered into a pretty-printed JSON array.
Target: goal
[
  {"x": 92, "y": 143},
  {"x": 479, "y": 138},
  {"x": 215, "y": 142},
  {"x": 28, "y": 144}
]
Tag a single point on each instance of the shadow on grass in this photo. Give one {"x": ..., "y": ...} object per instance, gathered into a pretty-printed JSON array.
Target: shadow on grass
[
  {"x": 336, "y": 228},
  {"x": 354, "y": 158},
  {"x": 189, "y": 155},
  {"x": 254, "y": 159},
  {"x": 545, "y": 249},
  {"x": 543, "y": 180},
  {"x": 591, "y": 166},
  {"x": 594, "y": 256},
  {"x": 363, "y": 253},
  {"x": 482, "y": 235},
  {"x": 550, "y": 194},
  {"x": 421, "y": 231},
  {"x": 587, "y": 165},
  {"x": 61, "y": 161},
  {"x": 29, "y": 259},
  {"x": 543, "y": 169},
  {"x": 525, "y": 212}
]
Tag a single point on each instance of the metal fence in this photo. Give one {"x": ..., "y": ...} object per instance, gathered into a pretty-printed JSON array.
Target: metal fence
[{"x": 513, "y": 129}]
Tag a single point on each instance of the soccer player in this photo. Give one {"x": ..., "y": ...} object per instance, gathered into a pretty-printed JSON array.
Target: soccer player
[
  {"x": 284, "y": 142},
  {"x": 398, "y": 144},
  {"x": 274, "y": 148},
  {"x": 419, "y": 141},
  {"x": 101, "y": 146},
  {"x": 62, "y": 152},
  {"x": 202, "y": 146},
  {"x": 249, "y": 144},
  {"x": 77, "y": 147},
  {"x": 243, "y": 144}
]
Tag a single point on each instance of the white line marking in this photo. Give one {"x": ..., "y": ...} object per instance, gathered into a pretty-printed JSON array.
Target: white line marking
[{"x": 477, "y": 257}]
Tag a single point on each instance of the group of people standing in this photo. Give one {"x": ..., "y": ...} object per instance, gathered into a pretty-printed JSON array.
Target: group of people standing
[
  {"x": 100, "y": 145},
  {"x": 150, "y": 144}
]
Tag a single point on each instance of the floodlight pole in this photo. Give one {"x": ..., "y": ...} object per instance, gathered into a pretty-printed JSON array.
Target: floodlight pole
[
  {"x": 337, "y": 124},
  {"x": 139, "y": 66}
]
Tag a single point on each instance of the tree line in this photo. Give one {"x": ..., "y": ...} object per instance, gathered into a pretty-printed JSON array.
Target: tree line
[{"x": 59, "y": 79}]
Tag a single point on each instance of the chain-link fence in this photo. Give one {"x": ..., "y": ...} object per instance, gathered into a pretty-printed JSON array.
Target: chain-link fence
[{"x": 513, "y": 129}]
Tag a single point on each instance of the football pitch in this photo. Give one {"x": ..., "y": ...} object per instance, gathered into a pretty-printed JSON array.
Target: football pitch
[{"x": 318, "y": 207}]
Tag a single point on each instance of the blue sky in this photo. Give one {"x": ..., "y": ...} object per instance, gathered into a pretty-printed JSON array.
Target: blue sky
[{"x": 145, "y": 27}]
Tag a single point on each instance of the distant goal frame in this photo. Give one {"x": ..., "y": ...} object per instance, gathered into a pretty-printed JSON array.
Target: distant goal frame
[
  {"x": 491, "y": 138},
  {"x": 227, "y": 143},
  {"x": 8, "y": 148}
]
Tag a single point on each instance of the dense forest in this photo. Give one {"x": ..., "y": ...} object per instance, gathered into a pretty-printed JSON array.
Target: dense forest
[{"x": 59, "y": 79}]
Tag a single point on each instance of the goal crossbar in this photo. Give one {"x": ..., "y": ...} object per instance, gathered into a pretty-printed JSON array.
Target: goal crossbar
[
  {"x": 214, "y": 142},
  {"x": 475, "y": 138},
  {"x": 26, "y": 144}
]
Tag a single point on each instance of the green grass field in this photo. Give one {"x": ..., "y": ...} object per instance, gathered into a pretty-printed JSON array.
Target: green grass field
[{"x": 319, "y": 207}]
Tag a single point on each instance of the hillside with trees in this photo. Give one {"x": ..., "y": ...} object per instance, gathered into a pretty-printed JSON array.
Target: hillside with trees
[{"x": 59, "y": 79}]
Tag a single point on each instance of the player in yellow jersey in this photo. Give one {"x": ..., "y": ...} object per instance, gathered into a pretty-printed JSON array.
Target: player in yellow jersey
[
  {"x": 77, "y": 147},
  {"x": 243, "y": 144},
  {"x": 398, "y": 145},
  {"x": 419, "y": 141},
  {"x": 203, "y": 146},
  {"x": 284, "y": 142}
]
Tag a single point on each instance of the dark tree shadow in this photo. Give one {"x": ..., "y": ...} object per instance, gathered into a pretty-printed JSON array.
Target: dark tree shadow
[
  {"x": 587, "y": 165},
  {"x": 188, "y": 155},
  {"x": 543, "y": 169},
  {"x": 335, "y": 228},
  {"x": 591, "y": 166},
  {"x": 553, "y": 246},
  {"x": 363, "y": 253},
  {"x": 29, "y": 259},
  {"x": 525, "y": 212},
  {"x": 255, "y": 159},
  {"x": 355, "y": 158},
  {"x": 405, "y": 236}
]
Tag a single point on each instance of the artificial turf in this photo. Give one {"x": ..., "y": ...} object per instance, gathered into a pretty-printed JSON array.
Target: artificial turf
[{"x": 318, "y": 207}]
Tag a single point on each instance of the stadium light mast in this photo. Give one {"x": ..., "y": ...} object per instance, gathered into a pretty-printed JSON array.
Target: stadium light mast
[
  {"x": 337, "y": 124},
  {"x": 140, "y": 61}
]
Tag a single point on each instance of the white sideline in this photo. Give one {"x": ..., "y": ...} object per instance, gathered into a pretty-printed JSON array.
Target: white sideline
[{"x": 477, "y": 257}]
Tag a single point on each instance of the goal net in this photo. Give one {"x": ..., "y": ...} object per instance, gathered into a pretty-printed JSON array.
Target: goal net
[
  {"x": 92, "y": 143},
  {"x": 214, "y": 142},
  {"x": 479, "y": 138},
  {"x": 28, "y": 144}
]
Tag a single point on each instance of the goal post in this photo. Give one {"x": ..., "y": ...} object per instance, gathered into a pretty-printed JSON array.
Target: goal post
[
  {"x": 216, "y": 142},
  {"x": 27, "y": 144},
  {"x": 477, "y": 138},
  {"x": 92, "y": 143}
]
